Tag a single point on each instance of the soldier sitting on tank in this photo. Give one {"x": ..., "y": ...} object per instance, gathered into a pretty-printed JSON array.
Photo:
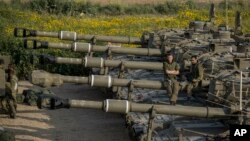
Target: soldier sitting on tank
[
  {"x": 195, "y": 76},
  {"x": 171, "y": 69},
  {"x": 11, "y": 91}
]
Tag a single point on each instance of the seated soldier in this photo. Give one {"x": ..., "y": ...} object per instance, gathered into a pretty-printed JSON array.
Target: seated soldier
[
  {"x": 196, "y": 75},
  {"x": 171, "y": 69}
]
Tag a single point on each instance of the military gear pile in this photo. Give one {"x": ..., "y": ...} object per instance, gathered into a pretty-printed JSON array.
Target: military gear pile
[{"x": 31, "y": 95}]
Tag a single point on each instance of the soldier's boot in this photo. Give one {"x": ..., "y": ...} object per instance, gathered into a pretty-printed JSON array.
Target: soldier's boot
[
  {"x": 173, "y": 99},
  {"x": 173, "y": 103}
]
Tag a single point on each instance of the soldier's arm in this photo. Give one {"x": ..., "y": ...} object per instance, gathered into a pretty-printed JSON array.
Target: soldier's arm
[
  {"x": 176, "y": 71},
  {"x": 165, "y": 68}
]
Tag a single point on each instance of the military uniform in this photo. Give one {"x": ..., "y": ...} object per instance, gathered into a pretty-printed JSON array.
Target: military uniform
[
  {"x": 11, "y": 91},
  {"x": 196, "y": 74},
  {"x": 9, "y": 102},
  {"x": 172, "y": 85}
]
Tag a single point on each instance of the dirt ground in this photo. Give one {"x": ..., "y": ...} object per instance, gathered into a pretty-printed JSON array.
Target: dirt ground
[{"x": 33, "y": 124}]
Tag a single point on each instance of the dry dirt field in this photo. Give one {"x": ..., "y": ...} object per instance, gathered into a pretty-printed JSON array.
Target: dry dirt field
[{"x": 33, "y": 124}]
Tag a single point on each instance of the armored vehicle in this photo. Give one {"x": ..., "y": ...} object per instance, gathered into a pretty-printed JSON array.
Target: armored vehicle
[
  {"x": 179, "y": 128},
  {"x": 132, "y": 79}
]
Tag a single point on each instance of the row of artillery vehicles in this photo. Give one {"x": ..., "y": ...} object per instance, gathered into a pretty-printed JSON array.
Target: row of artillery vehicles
[{"x": 135, "y": 78}]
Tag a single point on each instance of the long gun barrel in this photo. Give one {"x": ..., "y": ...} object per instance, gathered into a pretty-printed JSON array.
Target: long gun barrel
[
  {"x": 73, "y": 36},
  {"x": 212, "y": 13},
  {"x": 46, "y": 79},
  {"x": 238, "y": 22},
  {"x": 124, "y": 106},
  {"x": 98, "y": 62},
  {"x": 87, "y": 47}
]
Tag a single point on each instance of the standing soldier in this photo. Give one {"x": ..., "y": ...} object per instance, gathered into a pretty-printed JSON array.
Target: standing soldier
[
  {"x": 2, "y": 86},
  {"x": 196, "y": 74},
  {"x": 171, "y": 69},
  {"x": 11, "y": 90}
]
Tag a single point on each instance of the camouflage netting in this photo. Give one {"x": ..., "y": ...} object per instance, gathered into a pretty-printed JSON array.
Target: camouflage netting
[{"x": 31, "y": 95}]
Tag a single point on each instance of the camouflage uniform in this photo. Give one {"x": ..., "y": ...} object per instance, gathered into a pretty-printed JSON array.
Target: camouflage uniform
[
  {"x": 9, "y": 103},
  {"x": 11, "y": 91},
  {"x": 172, "y": 85},
  {"x": 196, "y": 73}
]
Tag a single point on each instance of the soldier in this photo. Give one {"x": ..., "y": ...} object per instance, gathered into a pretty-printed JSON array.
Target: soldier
[
  {"x": 11, "y": 91},
  {"x": 196, "y": 75},
  {"x": 171, "y": 69},
  {"x": 2, "y": 89}
]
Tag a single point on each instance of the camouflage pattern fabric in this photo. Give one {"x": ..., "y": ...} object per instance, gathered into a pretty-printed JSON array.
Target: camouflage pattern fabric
[
  {"x": 31, "y": 95},
  {"x": 11, "y": 91}
]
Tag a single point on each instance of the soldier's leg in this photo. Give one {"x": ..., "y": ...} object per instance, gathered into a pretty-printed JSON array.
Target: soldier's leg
[
  {"x": 13, "y": 95},
  {"x": 175, "y": 92},
  {"x": 4, "y": 105},
  {"x": 195, "y": 89},
  {"x": 189, "y": 89},
  {"x": 168, "y": 89},
  {"x": 12, "y": 109}
]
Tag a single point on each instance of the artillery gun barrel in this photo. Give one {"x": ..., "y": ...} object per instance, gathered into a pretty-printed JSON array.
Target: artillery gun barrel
[
  {"x": 73, "y": 36},
  {"x": 87, "y": 47},
  {"x": 212, "y": 13},
  {"x": 98, "y": 62},
  {"x": 46, "y": 79},
  {"x": 124, "y": 106},
  {"x": 242, "y": 55}
]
